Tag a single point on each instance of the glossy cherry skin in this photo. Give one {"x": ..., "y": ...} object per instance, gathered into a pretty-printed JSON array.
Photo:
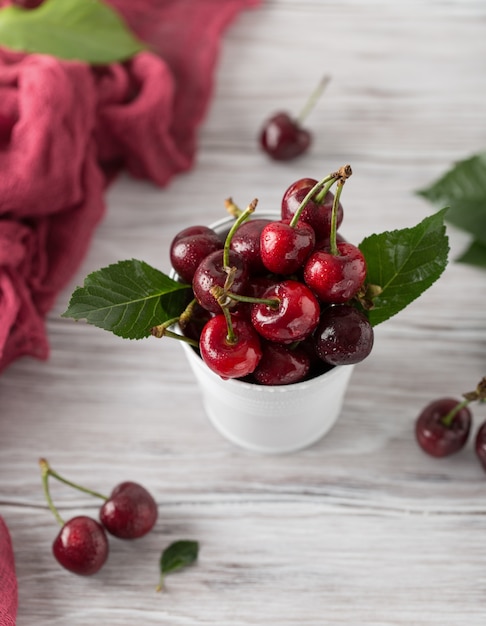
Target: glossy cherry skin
[
  {"x": 189, "y": 247},
  {"x": 283, "y": 138},
  {"x": 295, "y": 318},
  {"x": 211, "y": 272},
  {"x": 316, "y": 214},
  {"x": 81, "y": 546},
  {"x": 480, "y": 445},
  {"x": 336, "y": 278},
  {"x": 226, "y": 358},
  {"x": 285, "y": 248},
  {"x": 246, "y": 242},
  {"x": 344, "y": 335},
  {"x": 434, "y": 437},
  {"x": 281, "y": 364},
  {"x": 130, "y": 512}
]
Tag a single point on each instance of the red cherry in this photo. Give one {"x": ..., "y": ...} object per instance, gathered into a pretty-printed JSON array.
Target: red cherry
[
  {"x": 81, "y": 546},
  {"x": 295, "y": 318},
  {"x": 436, "y": 437},
  {"x": 281, "y": 365},
  {"x": 344, "y": 335},
  {"x": 283, "y": 138},
  {"x": 211, "y": 272},
  {"x": 130, "y": 512},
  {"x": 227, "y": 358},
  {"x": 317, "y": 212},
  {"x": 246, "y": 242},
  {"x": 336, "y": 278},
  {"x": 189, "y": 247},
  {"x": 285, "y": 248}
]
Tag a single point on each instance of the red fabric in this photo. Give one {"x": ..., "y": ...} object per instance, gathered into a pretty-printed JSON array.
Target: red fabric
[
  {"x": 66, "y": 129},
  {"x": 8, "y": 580}
]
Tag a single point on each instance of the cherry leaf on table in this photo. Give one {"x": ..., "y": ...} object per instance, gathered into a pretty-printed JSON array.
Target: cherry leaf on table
[
  {"x": 91, "y": 31},
  {"x": 404, "y": 263},
  {"x": 177, "y": 555},
  {"x": 127, "y": 298},
  {"x": 463, "y": 189}
]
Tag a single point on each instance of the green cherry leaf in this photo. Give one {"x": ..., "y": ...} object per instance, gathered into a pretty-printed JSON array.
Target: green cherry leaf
[
  {"x": 89, "y": 31},
  {"x": 404, "y": 263},
  {"x": 127, "y": 298},
  {"x": 463, "y": 189},
  {"x": 176, "y": 556}
]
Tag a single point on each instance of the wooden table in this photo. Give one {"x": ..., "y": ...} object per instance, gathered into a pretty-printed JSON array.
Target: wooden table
[{"x": 362, "y": 528}]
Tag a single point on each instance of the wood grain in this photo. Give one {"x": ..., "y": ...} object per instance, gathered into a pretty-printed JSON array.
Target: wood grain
[{"x": 362, "y": 528}]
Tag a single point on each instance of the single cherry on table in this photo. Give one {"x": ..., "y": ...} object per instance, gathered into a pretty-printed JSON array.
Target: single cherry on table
[
  {"x": 284, "y": 137},
  {"x": 442, "y": 428}
]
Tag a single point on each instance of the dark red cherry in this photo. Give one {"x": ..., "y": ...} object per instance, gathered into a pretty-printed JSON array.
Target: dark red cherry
[
  {"x": 230, "y": 358},
  {"x": 130, "y": 512},
  {"x": 436, "y": 437},
  {"x": 211, "y": 272},
  {"x": 336, "y": 278},
  {"x": 317, "y": 212},
  {"x": 295, "y": 317},
  {"x": 281, "y": 365},
  {"x": 283, "y": 138},
  {"x": 344, "y": 335},
  {"x": 480, "y": 445},
  {"x": 190, "y": 246},
  {"x": 81, "y": 546},
  {"x": 246, "y": 242},
  {"x": 285, "y": 248}
]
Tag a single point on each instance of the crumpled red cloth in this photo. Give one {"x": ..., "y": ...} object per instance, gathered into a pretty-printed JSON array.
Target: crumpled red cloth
[
  {"x": 66, "y": 129},
  {"x": 8, "y": 579}
]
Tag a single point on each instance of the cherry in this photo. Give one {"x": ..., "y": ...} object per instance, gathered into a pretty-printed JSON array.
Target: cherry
[
  {"x": 318, "y": 210},
  {"x": 130, "y": 512},
  {"x": 344, "y": 335},
  {"x": 81, "y": 546},
  {"x": 281, "y": 365},
  {"x": 284, "y": 248},
  {"x": 213, "y": 271},
  {"x": 230, "y": 346},
  {"x": 294, "y": 317},
  {"x": 189, "y": 247},
  {"x": 284, "y": 138},
  {"x": 443, "y": 427},
  {"x": 480, "y": 445},
  {"x": 336, "y": 277},
  {"x": 246, "y": 242}
]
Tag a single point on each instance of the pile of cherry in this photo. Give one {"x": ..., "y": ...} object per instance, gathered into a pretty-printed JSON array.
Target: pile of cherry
[
  {"x": 277, "y": 301},
  {"x": 81, "y": 545}
]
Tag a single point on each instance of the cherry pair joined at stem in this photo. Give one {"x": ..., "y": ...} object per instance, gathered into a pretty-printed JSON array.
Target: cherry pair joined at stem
[{"x": 81, "y": 545}]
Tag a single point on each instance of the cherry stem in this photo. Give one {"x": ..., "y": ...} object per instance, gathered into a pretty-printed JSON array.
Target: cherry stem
[
  {"x": 230, "y": 331},
  {"x": 45, "y": 486},
  {"x": 273, "y": 303},
  {"x": 314, "y": 97},
  {"x": 320, "y": 190},
  {"x": 449, "y": 418},
  {"x": 162, "y": 330},
  {"x": 232, "y": 208},
  {"x": 334, "y": 216},
  {"x": 238, "y": 222},
  {"x": 479, "y": 394},
  {"x": 48, "y": 471}
]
